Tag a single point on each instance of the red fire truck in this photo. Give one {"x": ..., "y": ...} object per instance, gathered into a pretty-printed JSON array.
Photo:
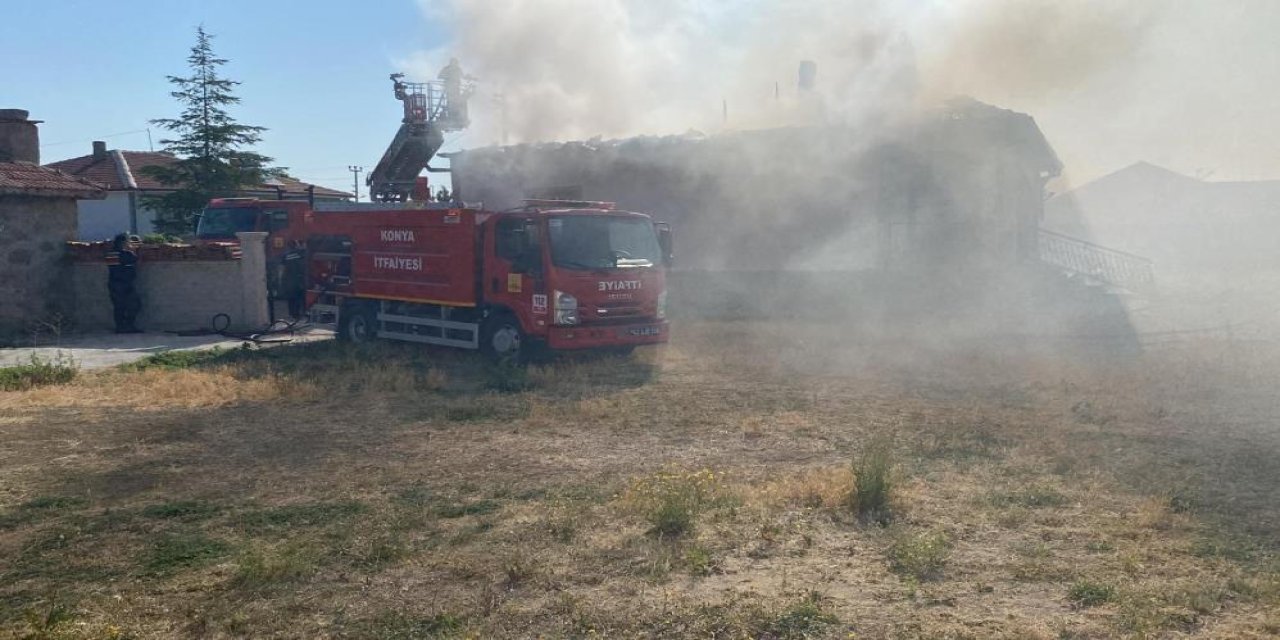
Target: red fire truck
[{"x": 552, "y": 274}]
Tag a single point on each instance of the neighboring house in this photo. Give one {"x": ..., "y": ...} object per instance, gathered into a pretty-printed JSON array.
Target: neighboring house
[
  {"x": 1188, "y": 226},
  {"x": 37, "y": 218},
  {"x": 124, "y": 209}
]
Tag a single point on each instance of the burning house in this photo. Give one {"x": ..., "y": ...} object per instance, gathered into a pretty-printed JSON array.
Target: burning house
[{"x": 957, "y": 188}]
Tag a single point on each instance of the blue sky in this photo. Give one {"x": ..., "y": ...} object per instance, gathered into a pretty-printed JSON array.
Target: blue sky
[{"x": 314, "y": 72}]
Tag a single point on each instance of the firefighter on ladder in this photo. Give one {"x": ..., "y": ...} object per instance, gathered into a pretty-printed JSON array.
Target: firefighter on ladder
[{"x": 455, "y": 96}]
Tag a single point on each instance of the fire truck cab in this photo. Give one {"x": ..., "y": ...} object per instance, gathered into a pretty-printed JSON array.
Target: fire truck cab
[{"x": 562, "y": 275}]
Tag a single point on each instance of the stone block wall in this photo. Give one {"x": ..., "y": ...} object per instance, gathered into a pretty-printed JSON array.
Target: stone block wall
[
  {"x": 33, "y": 265},
  {"x": 182, "y": 295}
]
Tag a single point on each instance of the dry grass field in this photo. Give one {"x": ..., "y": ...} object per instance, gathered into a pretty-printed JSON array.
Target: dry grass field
[{"x": 748, "y": 481}]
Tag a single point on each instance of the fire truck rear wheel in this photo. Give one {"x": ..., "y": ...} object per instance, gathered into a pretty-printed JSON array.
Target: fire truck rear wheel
[
  {"x": 501, "y": 337},
  {"x": 358, "y": 324}
]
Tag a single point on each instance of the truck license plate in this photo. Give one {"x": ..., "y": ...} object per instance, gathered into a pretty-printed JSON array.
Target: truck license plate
[{"x": 645, "y": 331}]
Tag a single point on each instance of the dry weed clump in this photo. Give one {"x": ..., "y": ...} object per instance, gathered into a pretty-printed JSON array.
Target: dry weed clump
[
  {"x": 829, "y": 488},
  {"x": 264, "y": 565},
  {"x": 671, "y": 501},
  {"x": 1086, "y": 593},
  {"x": 224, "y": 378},
  {"x": 374, "y": 375},
  {"x": 159, "y": 389},
  {"x": 920, "y": 555},
  {"x": 1159, "y": 513}
]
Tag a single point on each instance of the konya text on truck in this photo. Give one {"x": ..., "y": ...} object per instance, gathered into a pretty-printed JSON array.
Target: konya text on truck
[{"x": 553, "y": 274}]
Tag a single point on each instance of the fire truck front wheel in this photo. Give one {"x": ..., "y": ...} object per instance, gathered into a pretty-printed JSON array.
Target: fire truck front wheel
[
  {"x": 358, "y": 323},
  {"x": 501, "y": 337}
]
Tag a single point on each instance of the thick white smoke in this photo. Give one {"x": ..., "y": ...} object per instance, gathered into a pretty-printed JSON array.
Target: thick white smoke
[
  {"x": 1183, "y": 85},
  {"x": 578, "y": 69}
]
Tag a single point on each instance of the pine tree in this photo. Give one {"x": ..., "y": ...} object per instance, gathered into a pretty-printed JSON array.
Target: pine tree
[{"x": 212, "y": 148}]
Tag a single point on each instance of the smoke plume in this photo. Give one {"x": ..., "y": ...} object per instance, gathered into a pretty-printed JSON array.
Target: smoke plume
[{"x": 1109, "y": 82}]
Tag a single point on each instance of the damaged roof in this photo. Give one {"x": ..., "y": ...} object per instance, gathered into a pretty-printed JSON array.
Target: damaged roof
[
  {"x": 23, "y": 179},
  {"x": 961, "y": 126}
]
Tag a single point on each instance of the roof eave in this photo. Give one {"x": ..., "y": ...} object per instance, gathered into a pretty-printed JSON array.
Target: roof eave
[{"x": 78, "y": 194}]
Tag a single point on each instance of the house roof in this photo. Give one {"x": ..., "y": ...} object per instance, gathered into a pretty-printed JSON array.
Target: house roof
[
  {"x": 122, "y": 171},
  {"x": 20, "y": 178}
]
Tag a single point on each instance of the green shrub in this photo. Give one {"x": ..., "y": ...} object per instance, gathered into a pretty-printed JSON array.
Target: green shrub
[
  {"x": 873, "y": 482},
  {"x": 182, "y": 509},
  {"x": 397, "y": 625},
  {"x": 55, "y": 502},
  {"x": 187, "y": 550},
  {"x": 312, "y": 514},
  {"x": 671, "y": 501},
  {"x": 804, "y": 619},
  {"x": 700, "y": 561},
  {"x": 38, "y": 372},
  {"x": 261, "y": 566},
  {"x": 176, "y": 359},
  {"x": 1091, "y": 594},
  {"x": 1034, "y": 496},
  {"x": 378, "y": 551},
  {"x": 921, "y": 555},
  {"x": 478, "y": 508}
]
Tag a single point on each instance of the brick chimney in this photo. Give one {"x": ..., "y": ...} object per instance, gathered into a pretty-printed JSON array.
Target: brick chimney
[
  {"x": 99, "y": 149},
  {"x": 19, "y": 137}
]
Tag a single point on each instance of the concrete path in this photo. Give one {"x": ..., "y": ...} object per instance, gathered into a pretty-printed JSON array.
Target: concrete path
[{"x": 96, "y": 351}]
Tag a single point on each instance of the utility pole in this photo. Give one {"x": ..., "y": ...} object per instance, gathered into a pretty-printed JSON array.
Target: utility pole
[{"x": 355, "y": 179}]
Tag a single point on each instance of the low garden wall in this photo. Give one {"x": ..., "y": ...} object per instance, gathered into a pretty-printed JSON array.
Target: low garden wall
[{"x": 182, "y": 288}]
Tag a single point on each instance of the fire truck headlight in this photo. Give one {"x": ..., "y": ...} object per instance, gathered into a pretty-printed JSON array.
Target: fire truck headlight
[
  {"x": 566, "y": 308},
  {"x": 566, "y": 317},
  {"x": 662, "y": 305}
]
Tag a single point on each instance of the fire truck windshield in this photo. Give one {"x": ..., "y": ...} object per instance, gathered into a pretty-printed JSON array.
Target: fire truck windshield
[
  {"x": 225, "y": 222},
  {"x": 603, "y": 242}
]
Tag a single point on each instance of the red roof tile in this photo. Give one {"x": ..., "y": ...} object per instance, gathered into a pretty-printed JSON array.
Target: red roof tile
[
  {"x": 19, "y": 178},
  {"x": 106, "y": 169}
]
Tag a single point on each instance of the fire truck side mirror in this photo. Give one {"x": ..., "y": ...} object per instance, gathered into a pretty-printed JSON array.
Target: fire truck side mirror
[{"x": 664, "y": 241}]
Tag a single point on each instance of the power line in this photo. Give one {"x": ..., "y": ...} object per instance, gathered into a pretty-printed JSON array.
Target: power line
[{"x": 82, "y": 141}]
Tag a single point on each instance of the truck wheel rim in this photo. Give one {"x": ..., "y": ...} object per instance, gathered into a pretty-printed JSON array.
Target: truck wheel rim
[
  {"x": 359, "y": 329},
  {"x": 506, "y": 339}
]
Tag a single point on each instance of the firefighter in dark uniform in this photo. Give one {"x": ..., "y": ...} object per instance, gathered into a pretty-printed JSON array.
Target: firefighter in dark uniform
[
  {"x": 454, "y": 94},
  {"x": 293, "y": 286},
  {"x": 122, "y": 271}
]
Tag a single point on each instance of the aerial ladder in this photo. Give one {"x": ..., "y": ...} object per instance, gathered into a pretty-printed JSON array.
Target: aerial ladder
[{"x": 430, "y": 110}]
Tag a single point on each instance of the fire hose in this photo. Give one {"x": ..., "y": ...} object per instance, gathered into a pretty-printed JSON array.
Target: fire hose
[{"x": 220, "y": 325}]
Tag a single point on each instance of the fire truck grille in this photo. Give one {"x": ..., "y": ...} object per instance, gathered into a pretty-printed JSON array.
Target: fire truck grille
[{"x": 620, "y": 314}]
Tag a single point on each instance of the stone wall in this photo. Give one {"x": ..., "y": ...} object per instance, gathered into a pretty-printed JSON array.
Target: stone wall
[
  {"x": 183, "y": 295},
  {"x": 33, "y": 266}
]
